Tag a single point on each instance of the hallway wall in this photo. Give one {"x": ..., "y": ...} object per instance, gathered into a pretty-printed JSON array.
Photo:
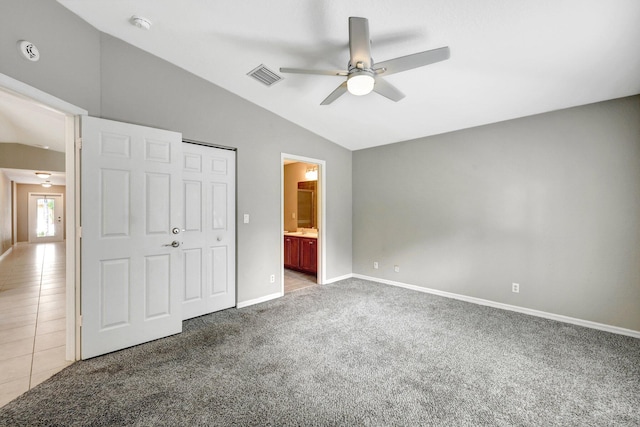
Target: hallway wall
[
  {"x": 22, "y": 206},
  {"x": 20, "y": 156},
  {"x": 5, "y": 213}
]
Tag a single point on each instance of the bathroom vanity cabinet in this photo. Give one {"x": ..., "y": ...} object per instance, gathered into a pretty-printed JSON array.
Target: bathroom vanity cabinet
[{"x": 301, "y": 253}]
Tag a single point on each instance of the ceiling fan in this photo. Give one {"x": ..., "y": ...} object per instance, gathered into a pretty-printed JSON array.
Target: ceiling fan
[{"x": 363, "y": 76}]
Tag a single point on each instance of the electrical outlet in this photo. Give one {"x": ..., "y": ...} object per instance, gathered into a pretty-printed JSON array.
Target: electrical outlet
[
  {"x": 375, "y": 264},
  {"x": 396, "y": 268},
  {"x": 272, "y": 278},
  {"x": 246, "y": 218},
  {"x": 515, "y": 287}
]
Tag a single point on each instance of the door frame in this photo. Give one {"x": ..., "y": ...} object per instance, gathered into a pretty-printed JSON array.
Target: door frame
[
  {"x": 72, "y": 202},
  {"x": 322, "y": 196},
  {"x": 31, "y": 212}
]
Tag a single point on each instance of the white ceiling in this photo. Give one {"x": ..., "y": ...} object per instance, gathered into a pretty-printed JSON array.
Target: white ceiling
[
  {"x": 27, "y": 122},
  {"x": 24, "y": 121},
  {"x": 508, "y": 58}
]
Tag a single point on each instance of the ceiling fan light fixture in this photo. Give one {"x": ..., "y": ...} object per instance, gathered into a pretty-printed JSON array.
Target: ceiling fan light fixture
[
  {"x": 365, "y": 76},
  {"x": 360, "y": 83}
]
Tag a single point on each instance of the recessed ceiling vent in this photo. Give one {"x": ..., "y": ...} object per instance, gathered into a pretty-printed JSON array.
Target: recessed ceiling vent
[{"x": 264, "y": 75}]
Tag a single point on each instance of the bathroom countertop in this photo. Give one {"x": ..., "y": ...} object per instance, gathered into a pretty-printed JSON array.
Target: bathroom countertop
[{"x": 301, "y": 234}]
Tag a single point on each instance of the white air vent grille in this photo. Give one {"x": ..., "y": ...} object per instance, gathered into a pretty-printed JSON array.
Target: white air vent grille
[{"x": 264, "y": 75}]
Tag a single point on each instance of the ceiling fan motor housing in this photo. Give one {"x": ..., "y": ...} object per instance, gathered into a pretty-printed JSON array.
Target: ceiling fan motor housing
[{"x": 362, "y": 77}]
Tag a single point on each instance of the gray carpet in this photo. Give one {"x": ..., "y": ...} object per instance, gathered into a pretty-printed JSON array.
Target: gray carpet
[{"x": 352, "y": 353}]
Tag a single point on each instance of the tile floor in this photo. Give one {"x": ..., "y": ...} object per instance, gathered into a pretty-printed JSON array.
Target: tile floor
[
  {"x": 32, "y": 317},
  {"x": 295, "y": 280}
]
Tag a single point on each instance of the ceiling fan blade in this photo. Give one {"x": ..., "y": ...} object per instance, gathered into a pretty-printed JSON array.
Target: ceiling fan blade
[
  {"x": 416, "y": 60},
  {"x": 320, "y": 72},
  {"x": 359, "y": 42},
  {"x": 337, "y": 93},
  {"x": 387, "y": 90}
]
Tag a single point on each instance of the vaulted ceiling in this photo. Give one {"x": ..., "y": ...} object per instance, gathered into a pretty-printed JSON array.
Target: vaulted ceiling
[{"x": 509, "y": 58}]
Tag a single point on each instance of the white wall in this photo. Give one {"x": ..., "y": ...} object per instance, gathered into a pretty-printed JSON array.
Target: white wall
[{"x": 551, "y": 202}]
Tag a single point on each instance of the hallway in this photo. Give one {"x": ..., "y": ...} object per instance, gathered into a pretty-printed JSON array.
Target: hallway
[{"x": 32, "y": 317}]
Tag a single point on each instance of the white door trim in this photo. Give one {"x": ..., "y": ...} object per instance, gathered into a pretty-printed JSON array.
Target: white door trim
[
  {"x": 44, "y": 98},
  {"x": 322, "y": 190},
  {"x": 72, "y": 202}
]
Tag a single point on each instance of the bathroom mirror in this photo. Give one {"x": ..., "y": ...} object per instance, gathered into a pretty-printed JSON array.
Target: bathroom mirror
[{"x": 307, "y": 210}]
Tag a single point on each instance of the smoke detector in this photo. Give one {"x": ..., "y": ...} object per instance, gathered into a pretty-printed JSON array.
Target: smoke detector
[
  {"x": 140, "y": 22},
  {"x": 28, "y": 50}
]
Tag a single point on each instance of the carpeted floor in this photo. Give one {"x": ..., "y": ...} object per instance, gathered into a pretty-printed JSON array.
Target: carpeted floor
[{"x": 352, "y": 353}]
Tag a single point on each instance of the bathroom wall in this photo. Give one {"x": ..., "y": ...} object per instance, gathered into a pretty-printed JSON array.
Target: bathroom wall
[{"x": 293, "y": 173}]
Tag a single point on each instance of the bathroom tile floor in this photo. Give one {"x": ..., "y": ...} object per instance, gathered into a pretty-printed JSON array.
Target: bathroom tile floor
[
  {"x": 32, "y": 317},
  {"x": 295, "y": 280}
]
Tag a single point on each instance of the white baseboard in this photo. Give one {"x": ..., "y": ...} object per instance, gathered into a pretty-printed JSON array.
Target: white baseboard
[
  {"x": 278, "y": 295},
  {"x": 7, "y": 252},
  {"x": 337, "y": 279},
  {"x": 529, "y": 311},
  {"x": 265, "y": 298}
]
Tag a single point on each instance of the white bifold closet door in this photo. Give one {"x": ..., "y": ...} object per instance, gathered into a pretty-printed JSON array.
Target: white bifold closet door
[
  {"x": 209, "y": 250},
  {"x": 158, "y": 233}
]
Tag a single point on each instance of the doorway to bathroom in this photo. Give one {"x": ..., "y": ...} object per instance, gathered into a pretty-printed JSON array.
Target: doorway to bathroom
[{"x": 302, "y": 223}]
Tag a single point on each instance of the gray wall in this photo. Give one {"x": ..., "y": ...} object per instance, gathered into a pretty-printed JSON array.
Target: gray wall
[
  {"x": 551, "y": 202},
  {"x": 69, "y": 65},
  {"x": 140, "y": 88},
  {"x": 112, "y": 79}
]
